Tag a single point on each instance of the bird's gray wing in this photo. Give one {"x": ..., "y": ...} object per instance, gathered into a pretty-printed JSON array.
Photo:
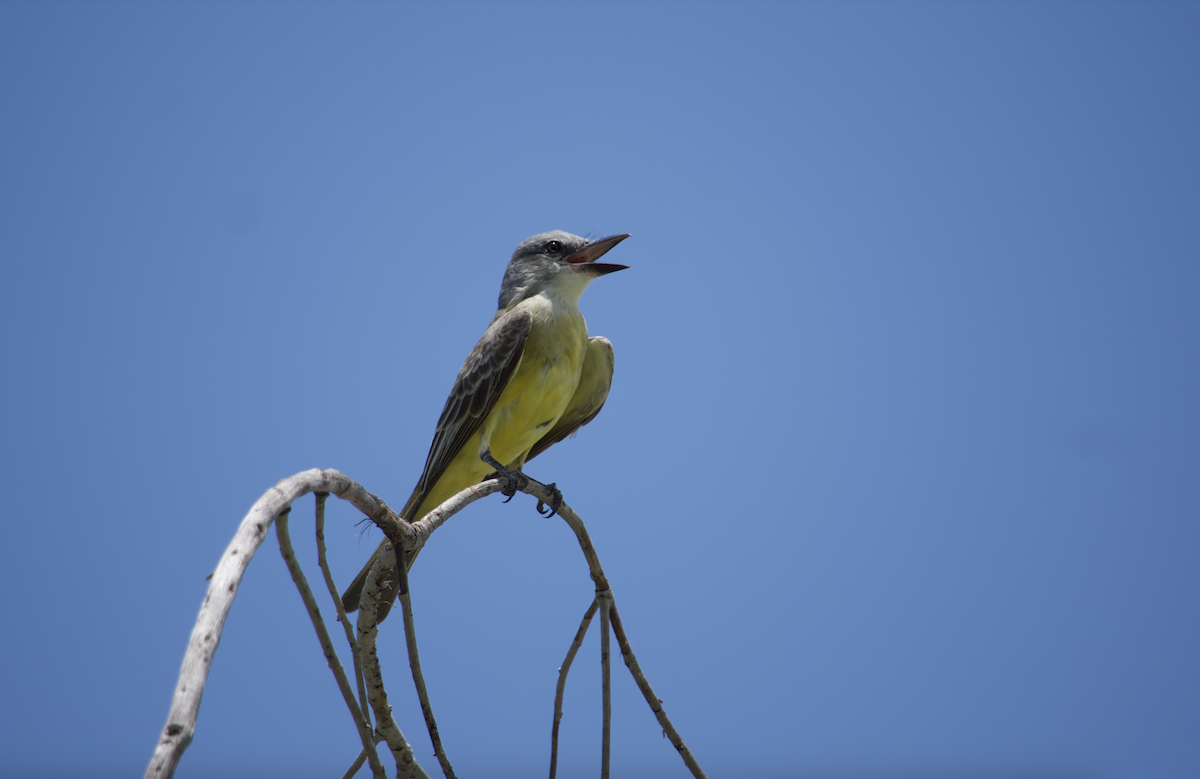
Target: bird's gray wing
[
  {"x": 589, "y": 397},
  {"x": 484, "y": 375}
]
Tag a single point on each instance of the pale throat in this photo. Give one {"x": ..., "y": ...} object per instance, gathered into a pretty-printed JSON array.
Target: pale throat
[{"x": 558, "y": 301}]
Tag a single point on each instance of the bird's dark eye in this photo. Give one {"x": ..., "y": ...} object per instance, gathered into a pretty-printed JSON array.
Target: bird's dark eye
[{"x": 554, "y": 247}]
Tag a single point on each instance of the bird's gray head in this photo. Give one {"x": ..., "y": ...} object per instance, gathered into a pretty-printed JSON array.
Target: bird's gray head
[{"x": 555, "y": 262}]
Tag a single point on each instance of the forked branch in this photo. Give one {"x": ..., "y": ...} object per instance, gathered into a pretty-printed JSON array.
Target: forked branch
[
  {"x": 206, "y": 636},
  {"x": 562, "y": 683},
  {"x": 331, "y": 656},
  {"x": 368, "y": 632}
]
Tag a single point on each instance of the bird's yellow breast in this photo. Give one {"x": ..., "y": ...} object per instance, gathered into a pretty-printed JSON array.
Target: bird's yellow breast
[
  {"x": 542, "y": 385},
  {"x": 534, "y": 399}
]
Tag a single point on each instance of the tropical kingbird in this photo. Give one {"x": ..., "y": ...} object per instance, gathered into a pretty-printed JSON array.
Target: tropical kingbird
[{"x": 533, "y": 379}]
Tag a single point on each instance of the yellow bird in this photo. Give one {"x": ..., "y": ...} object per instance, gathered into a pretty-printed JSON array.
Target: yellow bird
[{"x": 533, "y": 379}]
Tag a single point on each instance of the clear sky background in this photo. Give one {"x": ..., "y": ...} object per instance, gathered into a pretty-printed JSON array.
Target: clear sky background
[{"x": 899, "y": 472}]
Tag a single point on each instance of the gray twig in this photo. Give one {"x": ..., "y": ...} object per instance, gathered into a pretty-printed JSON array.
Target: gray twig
[
  {"x": 180, "y": 728},
  {"x": 368, "y": 631},
  {"x": 358, "y": 761},
  {"x": 357, "y": 764},
  {"x": 542, "y": 493},
  {"x": 341, "y": 611},
  {"x": 655, "y": 704},
  {"x": 414, "y": 662},
  {"x": 605, "y": 600},
  {"x": 331, "y": 657},
  {"x": 562, "y": 682}
]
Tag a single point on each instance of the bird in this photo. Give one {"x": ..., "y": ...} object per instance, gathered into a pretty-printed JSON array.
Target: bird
[{"x": 534, "y": 378}]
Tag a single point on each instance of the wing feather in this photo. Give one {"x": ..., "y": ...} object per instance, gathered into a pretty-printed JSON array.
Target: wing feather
[{"x": 484, "y": 375}]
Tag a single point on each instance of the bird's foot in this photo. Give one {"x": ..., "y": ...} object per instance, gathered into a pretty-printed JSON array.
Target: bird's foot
[
  {"x": 513, "y": 481},
  {"x": 510, "y": 479},
  {"x": 555, "y": 502}
]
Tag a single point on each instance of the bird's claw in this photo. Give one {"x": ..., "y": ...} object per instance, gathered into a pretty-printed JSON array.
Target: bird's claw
[
  {"x": 513, "y": 481},
  {"x": 510, "y": 480},
  {"x": 555, "y": 502}
]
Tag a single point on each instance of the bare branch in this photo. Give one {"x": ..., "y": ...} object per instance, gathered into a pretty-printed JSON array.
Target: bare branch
[
  {"x": 341, "y": 611},
  {"x": 331, "y": 657},
  {"x": 362, "y": 758},
  {"x": 368, "y": 631},
  {"x": 605, "y": 600},
  {"x": 542, "y": 493},
  {"x": 562, "y": 682},
  {"x": 433, "y": 520},
  {"x": 652, "y": 699},
  {"x": 414, "y": 662},
  {"x": 180, "y": 729},
  {"x": 357, "y": 764}
]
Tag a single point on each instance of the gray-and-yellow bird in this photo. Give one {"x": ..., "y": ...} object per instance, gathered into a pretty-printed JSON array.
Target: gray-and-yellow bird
[{"x": 533, "y": 379}]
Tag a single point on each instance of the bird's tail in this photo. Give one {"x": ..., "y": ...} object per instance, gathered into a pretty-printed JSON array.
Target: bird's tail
[{"x": 391, "y": 588}]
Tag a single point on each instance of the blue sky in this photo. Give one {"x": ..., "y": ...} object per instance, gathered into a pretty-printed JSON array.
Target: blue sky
[{"x": 899, "y": 469}]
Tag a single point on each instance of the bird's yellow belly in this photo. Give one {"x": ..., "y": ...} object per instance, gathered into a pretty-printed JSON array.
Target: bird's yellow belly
[
  {"x": 536, "y": 396},
  {"x": 529, "y": 414}
]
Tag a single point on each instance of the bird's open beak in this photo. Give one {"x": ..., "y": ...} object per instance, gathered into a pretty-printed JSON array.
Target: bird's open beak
[{"x": 588, "y": 255}]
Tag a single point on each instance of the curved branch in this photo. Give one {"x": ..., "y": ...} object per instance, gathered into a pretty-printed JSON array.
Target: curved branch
[
  {"x": 542, "y": 493},
  {"x": 423, "y": 529},
  {"x": 323, "y": 563},
  {"x": 331, "y": 657},
  {"x": 180, "y": 728},
  {"x": 368, "y": 631}
]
